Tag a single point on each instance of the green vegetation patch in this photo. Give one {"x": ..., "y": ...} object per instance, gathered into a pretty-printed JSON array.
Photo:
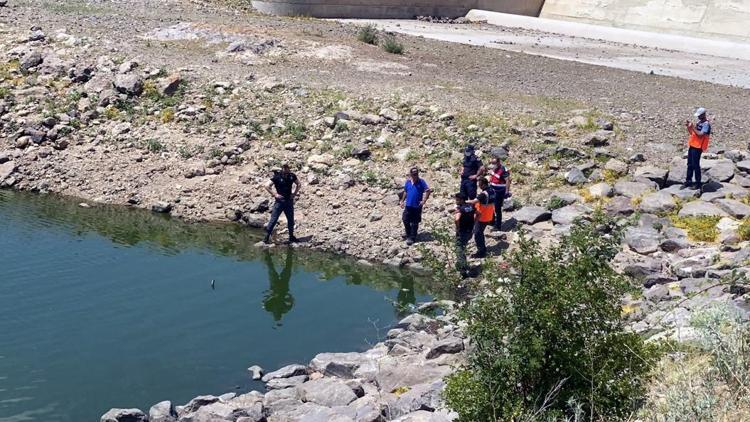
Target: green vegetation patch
[
  {"x": 368, "y": 34},
  {"x": 700, "y": 229}
]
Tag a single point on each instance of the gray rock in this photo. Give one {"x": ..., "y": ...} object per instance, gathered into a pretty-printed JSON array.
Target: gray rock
[
  {"x": 619, "y": 206},
  {"x": 567, "y": 215},
  {"x": 600, "y": 138},
  {"x": 416, "y": 322},
  {"x": 532, "y": 215},
  {"x": 654, "y": 279},
  {"x": 701, "y": 208},
  {"x": 678, "y": 171},
  {"x": 405, "y": 373},
  {"x": 129, "y": 84},
  {"x": 362, "y": 153},
  {"x": 276, "y": 400},
  {"x": 342, "y": 365},
  {"x": 566, "y": 198},
  {"x": 161, "y": 207},
  {"x": 124, "y": 415},
  {"x": 734, "y": 208},
  {"x": 658, "y": 202},
  {"x": 256, "y": 372},
  {"x": 674, "y": 244},
  {"x": 162, "y": 412},
  {"x": 197, "y": 403},
  {"x": 656, "y": 293},
  {"x": 279, "y": 383},
  {"x": 327, "y": 392},
  {"x": 169, "y": 85},
  {"x": 419, "y": 397},
  {"x": 633, "y": 189},
  {"x": 286, "y": 372},
  {"x": 575, "y": 176},
  {"x": 616, "y": 166},
  {"x": 390, "y": 114},
  {"x": 424, "y": 416},
  {"x": 449, "y": 345},
  {"x": 682, "y": 194},
  {"x": 718, "y": 170},
  {"x": 652, "y": 173},
  {"x": 744, "y": 166},
  {"x": 736, "y": 155},
  {"x": 642, "y": 240},
  {"x": 601, "y": 190},
  {"x": 6, "y": 169},
  {"x": 30, "y": 61}
]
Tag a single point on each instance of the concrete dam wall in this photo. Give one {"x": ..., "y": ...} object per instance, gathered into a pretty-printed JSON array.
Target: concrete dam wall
[
  {"x": 724, "y": 19},
  {"x": 393, "y": 9}
]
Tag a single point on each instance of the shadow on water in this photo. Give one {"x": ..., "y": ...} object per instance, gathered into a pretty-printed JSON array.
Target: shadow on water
[{"x": 169, "y": 236}]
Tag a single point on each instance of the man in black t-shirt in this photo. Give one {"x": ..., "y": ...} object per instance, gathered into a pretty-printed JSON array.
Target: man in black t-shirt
[
  {"x": 471, "y": 170},
  {"x": 287, "y": 188}
]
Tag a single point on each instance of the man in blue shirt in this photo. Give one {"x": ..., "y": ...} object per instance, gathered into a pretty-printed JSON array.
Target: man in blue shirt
[{"x": 415, "y": 195}]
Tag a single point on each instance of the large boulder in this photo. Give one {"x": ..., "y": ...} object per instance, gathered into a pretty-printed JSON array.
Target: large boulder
[
  {"x": 567, "y": 215},
  {"x": 162, "y": 412},
  {"x": 129, "y": 84},
  {"x": 449, "y": 345},
  {"x": 616, "y": 166},
  {"x": 30, "y": 61},
  {"x": 124, "y": 415},
  {"x": 642, "y": 240},
  {"x": 734, "y": 208},
  {"x": 575, "y": 176},
  {"x": 744, "y": 166},
  {"x": 419, "y": 397},
  {"x": 327, "y": 392},
  {"x": 658, "y": 202},
  {"x": 532, "y": 215},
  {"x": 285, "y": 372},
  {"x": 619, "y": 206},
  {"x": 652, "y": 173},
  {"x": 634, "y": 189},
  {"x": 718, "y": 170},
  {"x": 342, "y": 365},
  {"x": 701, "y": 209}
]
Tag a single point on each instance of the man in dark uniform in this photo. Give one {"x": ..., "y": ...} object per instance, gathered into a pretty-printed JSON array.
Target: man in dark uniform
[
  {"x": 464, "y": 218},
  {"x": 287, "y": 188},
  {"x": 471, "y": 171}
]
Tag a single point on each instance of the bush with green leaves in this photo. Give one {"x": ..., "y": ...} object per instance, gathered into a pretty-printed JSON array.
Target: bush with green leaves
[
  {"x": 548, "y": 340},
  {"x": 368, "y": 34},
  {"x": 391, "y": 45}
]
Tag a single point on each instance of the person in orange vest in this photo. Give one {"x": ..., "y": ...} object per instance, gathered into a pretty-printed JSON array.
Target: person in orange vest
[
  {"x": 485, "y": 215},
  {"x": 700, "y": 136}
]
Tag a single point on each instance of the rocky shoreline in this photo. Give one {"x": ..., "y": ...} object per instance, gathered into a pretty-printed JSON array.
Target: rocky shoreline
[{"x": 399, "y": 379}]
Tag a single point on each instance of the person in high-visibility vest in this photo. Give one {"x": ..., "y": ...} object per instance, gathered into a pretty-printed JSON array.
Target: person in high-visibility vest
[
  {"x": 485, "y": 215},
  {"x": 700, "y": 136}
]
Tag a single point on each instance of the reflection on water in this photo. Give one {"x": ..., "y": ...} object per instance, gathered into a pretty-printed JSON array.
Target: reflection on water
[
  {"x": 277, "y": 299},
  {"x": 110, "y": 307}
]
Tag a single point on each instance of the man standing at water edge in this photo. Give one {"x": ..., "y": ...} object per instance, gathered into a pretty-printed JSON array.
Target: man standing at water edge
[
  {"x": 472, "y": 170},
  {"x": 700, "y": 136},
  {"x": 415, "y": 195},
  {"x": 287, "y": 188}
]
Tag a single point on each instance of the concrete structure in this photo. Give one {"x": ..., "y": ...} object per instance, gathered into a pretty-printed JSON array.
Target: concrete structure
[
  {"x": 725, "y": 19},
  {"x": 393, "y": 9}
]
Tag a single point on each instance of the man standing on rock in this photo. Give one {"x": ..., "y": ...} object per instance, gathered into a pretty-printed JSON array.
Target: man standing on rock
[
  {"x": 500, "y": 184},
  {"x": 287, "y": 188},
  {"x": 700, "y": 136},
  {"x": 472, "y": 170},
  {"x": 415, "y": 195}
]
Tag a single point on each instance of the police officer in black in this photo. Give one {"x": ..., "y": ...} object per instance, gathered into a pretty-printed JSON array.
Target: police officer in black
[
  {"x": 472, "y": 170},
  {"x": 464, "y": 217},
  {"x": 287, "y": 188}
]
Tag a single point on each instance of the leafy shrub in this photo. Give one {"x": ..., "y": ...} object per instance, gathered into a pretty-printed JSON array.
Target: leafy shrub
[
  {"x": 154, "y": 145},
  {"x": 549, "y": 340},
  {"x": 555, "y": 202},
  {"x": 744, "y": 230},
  {"x": 167, "y": 115},
  {"x": 368, "y": 35},
  {"x": 391, "y": 45},
  {"x": 710, "y": 383},
  {"x": 700, "y": 229}
]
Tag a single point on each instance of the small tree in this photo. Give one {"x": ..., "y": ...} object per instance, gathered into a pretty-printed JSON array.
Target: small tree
[
  {"x": 549, "y": 340},
  {"x": 368, "y": 34}
]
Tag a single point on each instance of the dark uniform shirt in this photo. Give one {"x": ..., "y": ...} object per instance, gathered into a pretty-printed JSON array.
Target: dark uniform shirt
[
  {"x": 466, "y": 217},
  {"x": 283, "y": 183},
  {"x": 471, "y": 166}
]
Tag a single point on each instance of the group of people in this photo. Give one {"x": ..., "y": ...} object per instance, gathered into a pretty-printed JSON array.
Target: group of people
[{"x": 479, "y": 201}]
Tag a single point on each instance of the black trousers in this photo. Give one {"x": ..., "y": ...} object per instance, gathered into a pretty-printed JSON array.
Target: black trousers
[
  {"x": 499, "y": 199},
  {"x": 412, "y": 217},
  {"x": 694, "y": 165},
  {"x": 469, "y": 188},
  {"x": 462, "y": 240},
  {"x": 287, "y": 207},
  {"x": 479, "y": 228}
]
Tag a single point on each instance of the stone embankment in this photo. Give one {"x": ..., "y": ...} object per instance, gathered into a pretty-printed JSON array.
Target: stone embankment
[{"x": 400, "y": 379}]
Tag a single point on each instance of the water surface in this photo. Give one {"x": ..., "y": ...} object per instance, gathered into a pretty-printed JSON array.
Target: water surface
[{"x": 110, "y": 307}]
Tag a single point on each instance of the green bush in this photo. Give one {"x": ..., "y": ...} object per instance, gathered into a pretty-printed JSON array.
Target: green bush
[
  {"x": 744, "y": 230},
  {"x": 391, "y": 45},
  {"x": 368, "y": 34},
  {"x": 699, "y": 228},
  {"x": 549, "y": 340}
]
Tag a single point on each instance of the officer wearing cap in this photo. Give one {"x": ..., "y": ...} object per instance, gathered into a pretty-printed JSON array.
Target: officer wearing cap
[
  {"x": 472, "y": 170},
  {"x": 699, "y": 137}
]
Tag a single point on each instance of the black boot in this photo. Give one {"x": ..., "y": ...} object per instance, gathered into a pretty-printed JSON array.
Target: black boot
[{"x": 267, "y": 239}]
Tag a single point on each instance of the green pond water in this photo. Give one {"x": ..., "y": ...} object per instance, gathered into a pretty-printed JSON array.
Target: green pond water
[{"x": 110, "y": 307}]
